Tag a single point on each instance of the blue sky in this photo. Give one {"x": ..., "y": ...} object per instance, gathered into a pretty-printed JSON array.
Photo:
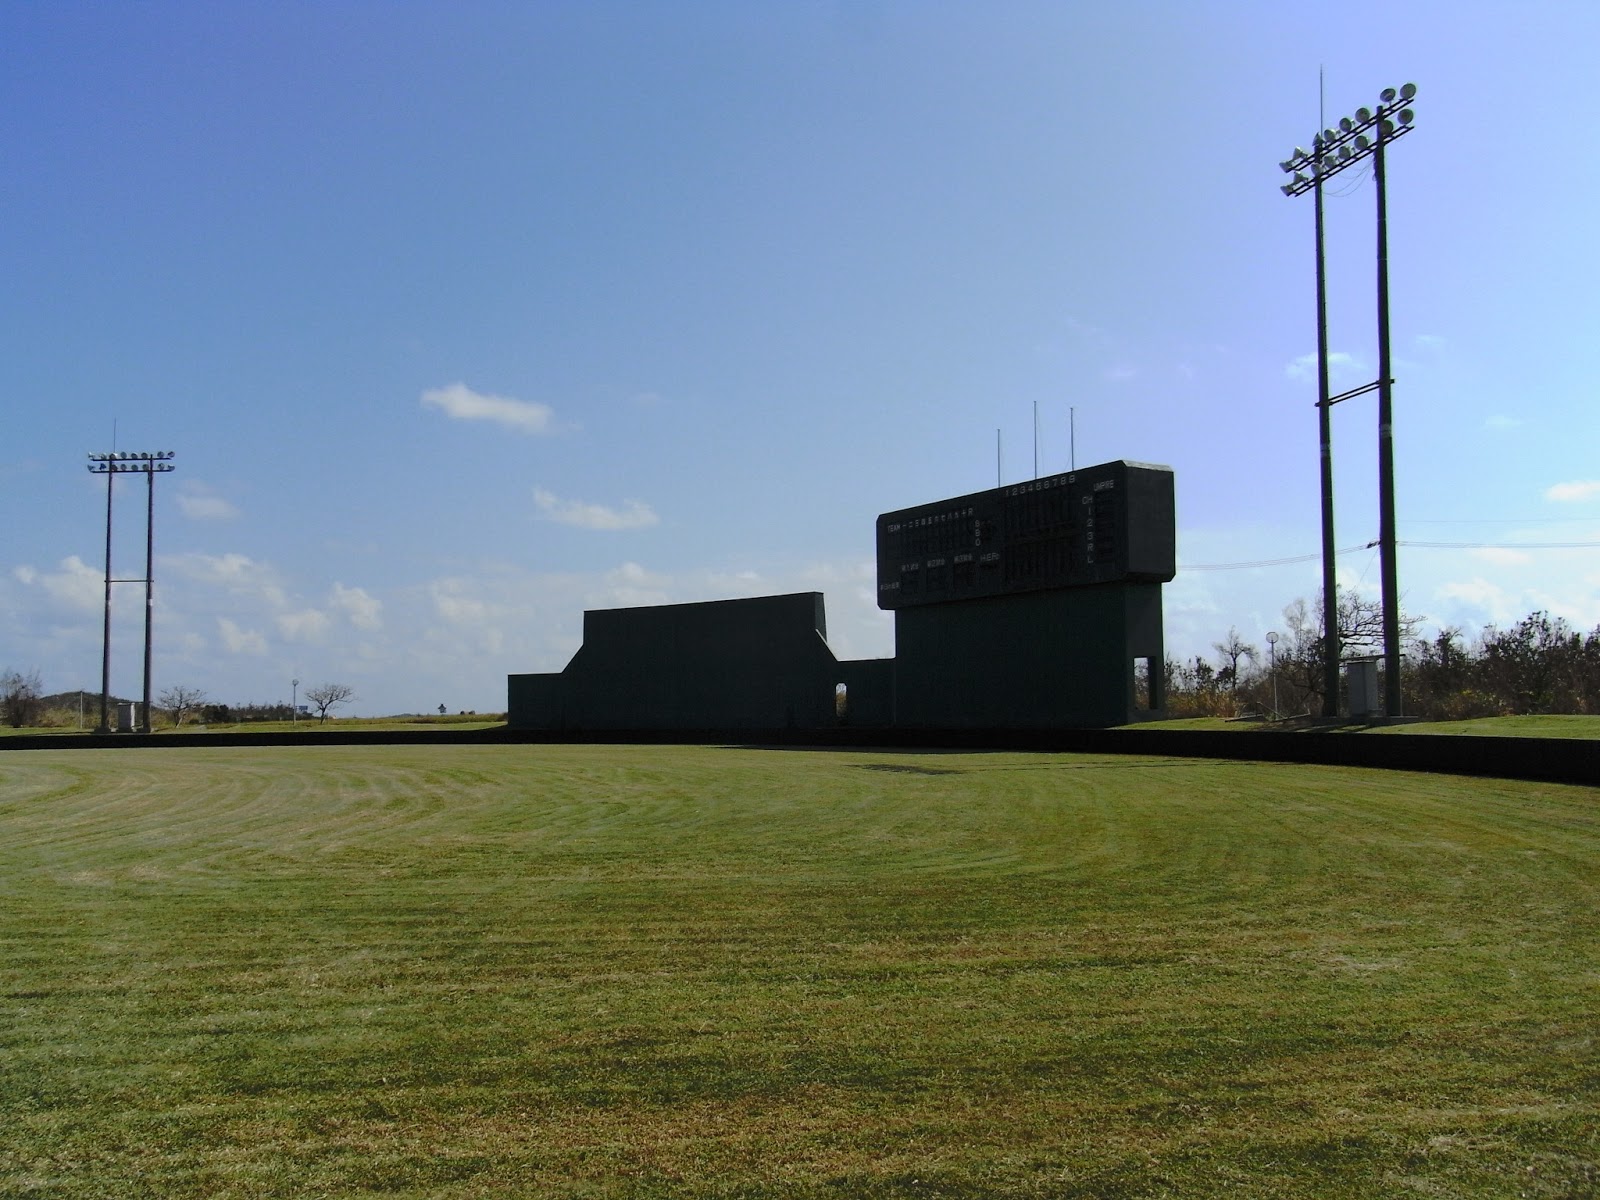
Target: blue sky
[{"x": 463, "y": 318}]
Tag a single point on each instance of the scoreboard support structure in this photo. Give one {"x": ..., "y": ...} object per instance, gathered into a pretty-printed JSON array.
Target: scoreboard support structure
[{"x": 1034, "y": 605}]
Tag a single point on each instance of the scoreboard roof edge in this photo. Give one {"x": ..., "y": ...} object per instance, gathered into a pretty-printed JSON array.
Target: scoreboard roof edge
[{"x": 1029, "y": 484}]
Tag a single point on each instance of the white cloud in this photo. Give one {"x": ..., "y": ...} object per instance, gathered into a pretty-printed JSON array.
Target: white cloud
[
  {"x": 199, "y": 503},
  {"x": 363, "y": 610},
  {"x": 75, "y": 583},
  {"x": 633, "y": 573},
  {"x": 307, "y": 625},
  {"x": 1572, "y": 493},
  {"x": 1500, "y": 422},
  {"x": 1120, "y": 373},
  {"x": 453, "y": 603},
  {"x": 461, "y": 403},
  {"x": 632, "y": 586},
  {"x": 1304, "y": 368},
  {"x": 1488, "y": 601},
  {"x": 240, "y": 641},
  {"x": 632, "y": 515},
  {"x": 477, "y": 618},
  {"x": 238, "y": 573}
]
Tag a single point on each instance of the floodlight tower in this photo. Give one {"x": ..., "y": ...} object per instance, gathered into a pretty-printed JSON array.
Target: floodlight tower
[
  {"x": 1330, "y": 609},
  {"x": 111, "y": 465},
  {"x": 1332, "y": 151}
]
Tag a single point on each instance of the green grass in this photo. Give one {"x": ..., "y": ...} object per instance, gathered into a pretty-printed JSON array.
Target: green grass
[
  {"x": 454, "y": 721},
  {"x": 464, "y": 971},
  {"x": 1207, "y": 724},
  {"x": 1535, "y": 725}
]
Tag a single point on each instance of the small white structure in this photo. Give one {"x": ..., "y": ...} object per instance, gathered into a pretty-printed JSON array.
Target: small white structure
[{"x": 1361, "y": 685}]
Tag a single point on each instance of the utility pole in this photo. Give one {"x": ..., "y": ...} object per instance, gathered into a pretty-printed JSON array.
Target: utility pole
[{"x": 103, "y": 465}]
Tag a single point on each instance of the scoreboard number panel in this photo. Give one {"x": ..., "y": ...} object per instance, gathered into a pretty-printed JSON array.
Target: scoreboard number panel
[{"x": 1104, "y": 524}]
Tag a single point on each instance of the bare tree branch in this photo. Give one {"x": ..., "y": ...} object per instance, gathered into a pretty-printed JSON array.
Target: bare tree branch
[
  {"x": 327, "y": 695},
  {"x": 180, "y": 699}
]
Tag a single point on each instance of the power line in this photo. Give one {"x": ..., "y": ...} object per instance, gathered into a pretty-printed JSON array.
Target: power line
[
  {"x": 1268, "y": 562},
  {"x": 1300, "y": 558},
  {"x": 1502, "y": 520},
  {"x": 1503, "y": 545}
]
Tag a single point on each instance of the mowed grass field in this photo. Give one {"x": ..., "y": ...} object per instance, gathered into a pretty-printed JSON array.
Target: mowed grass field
[{"x": 465, "y": 971}]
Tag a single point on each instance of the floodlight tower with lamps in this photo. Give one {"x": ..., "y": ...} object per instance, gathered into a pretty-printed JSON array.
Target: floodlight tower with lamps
[
  {"x": 1333, "y": 150},
  {"x": 1330, "y": 595},
  {"x": 111, "y": 465}
]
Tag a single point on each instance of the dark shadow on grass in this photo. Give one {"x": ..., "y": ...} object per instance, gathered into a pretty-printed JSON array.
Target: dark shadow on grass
[{"x": 1099, "y": 763}]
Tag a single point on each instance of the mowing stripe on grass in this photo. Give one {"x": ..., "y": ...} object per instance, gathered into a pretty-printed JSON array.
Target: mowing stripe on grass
[{"x": 652, "y": 971}]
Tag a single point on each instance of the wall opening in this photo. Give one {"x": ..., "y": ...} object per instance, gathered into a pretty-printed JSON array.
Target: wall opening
[
  {"x": 1146, "y": 686},
  {"x": 841, "y": 703}
]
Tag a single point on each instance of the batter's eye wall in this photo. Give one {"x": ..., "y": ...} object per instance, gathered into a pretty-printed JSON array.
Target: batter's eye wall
[{"x": 761, "y": 663}]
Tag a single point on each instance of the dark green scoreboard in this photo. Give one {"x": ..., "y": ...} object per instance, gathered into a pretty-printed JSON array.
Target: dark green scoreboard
[{"x": 1111, "y": 523}]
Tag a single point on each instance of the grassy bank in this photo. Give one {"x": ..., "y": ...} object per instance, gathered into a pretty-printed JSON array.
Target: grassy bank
[
  {"x": 1532, "y": 725},
  {"x": 619, "y": 971}
]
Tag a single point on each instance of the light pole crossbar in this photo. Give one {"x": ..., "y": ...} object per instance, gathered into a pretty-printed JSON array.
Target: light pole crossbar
[
  {"x": 1326, "y": 168},
  {"x": 1354, "y": 392}
]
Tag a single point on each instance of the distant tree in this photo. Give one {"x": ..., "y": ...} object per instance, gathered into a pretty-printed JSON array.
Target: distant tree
[
  {"x": 253, "y": 710},
  {"x": 1300, "y": 654},
  {"x": 1232, "y": 650},
  {"x": 1536, "y": 666},
  {"x": 1441, "y": 679},
  {"x": 326, "y": 695},
  {"x": 180, "y": 699},
  {"x": 1193, "y": 689},
  {"x": 19, "y": 697}
]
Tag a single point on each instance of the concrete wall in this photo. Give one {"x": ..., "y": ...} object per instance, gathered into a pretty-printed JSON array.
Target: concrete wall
[
  {"x": 761, "y": 663},
  {"x": 534, "y": 702},
  {"x": 870, "y": 691},
  {"x": 1034, "y": 660},
  {"x": 1056, "y": 659}
]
